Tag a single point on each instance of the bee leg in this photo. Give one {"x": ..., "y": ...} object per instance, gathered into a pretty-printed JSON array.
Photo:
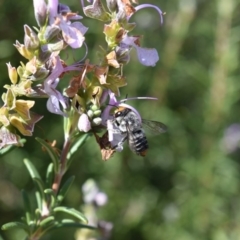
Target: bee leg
[{"x": 119, "y": 146}]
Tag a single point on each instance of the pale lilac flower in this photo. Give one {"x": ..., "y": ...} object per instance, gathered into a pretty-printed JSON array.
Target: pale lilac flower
[
  {"x": 40, "y": 12},
  {"x": 146, "y": 56},
  {"x": 55, "y": 97},
  {"x": 84, "y": 125},
  {"x": 53, "y": 10},
  {"x": 231, "y": 139},
  {"x": 92, "y": 194},
  {"x": 72, "y": 32},
  {"x": 50, "y": 84}
]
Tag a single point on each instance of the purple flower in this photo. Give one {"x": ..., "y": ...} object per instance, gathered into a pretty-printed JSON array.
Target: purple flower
[{"x": 50, "y": 84}]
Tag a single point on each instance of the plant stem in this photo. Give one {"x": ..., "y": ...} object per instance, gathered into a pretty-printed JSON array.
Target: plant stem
[{"x": 62, "y": 168}]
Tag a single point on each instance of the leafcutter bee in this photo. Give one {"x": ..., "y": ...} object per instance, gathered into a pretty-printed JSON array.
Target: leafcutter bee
[{"x": 128, "y": 125}]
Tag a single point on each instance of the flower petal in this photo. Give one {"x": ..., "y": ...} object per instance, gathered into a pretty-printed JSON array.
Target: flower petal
[
  {"x": 72, "y": 34},
  {"x": 147, "y": 56}
]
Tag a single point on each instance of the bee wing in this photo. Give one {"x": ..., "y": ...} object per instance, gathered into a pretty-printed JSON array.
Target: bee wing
[{"x": 154, "y": 126}]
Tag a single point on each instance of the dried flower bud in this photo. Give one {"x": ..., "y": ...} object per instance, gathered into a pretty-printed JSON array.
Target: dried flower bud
[
  {"x": 12, "y": 73},
  {"x": 97, "y": 11}
]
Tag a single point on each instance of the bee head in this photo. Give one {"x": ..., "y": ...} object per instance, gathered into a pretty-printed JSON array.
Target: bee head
[{"x": 119, "y": 111}]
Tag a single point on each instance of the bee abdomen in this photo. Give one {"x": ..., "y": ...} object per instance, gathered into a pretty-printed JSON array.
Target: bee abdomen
[{"x": 138, "y": 142}]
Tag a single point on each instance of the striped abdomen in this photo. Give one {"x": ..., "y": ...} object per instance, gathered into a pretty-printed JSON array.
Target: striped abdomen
[{"x": 138, "y": 142}]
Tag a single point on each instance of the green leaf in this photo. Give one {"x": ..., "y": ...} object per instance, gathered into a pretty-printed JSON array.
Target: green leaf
[
  {"x": 63, "y": 191},
  {"x": 52, "y": 153},
  {"x": 75, "y": 148},
  {"x": 10, "y": 225},
  {"x": 72, "y": 212},
  {"x": 31, "y": 169},
  {"x": 72, "y": 223},
  {"x": 51, "y": 197},
  {"x": 40, "y": 185},
  {"x": 49, "y": 175},
  {"x": 39, "y": 200},
  {"x": 47, "y": 221},
  {"x": 27, "y": 206}
]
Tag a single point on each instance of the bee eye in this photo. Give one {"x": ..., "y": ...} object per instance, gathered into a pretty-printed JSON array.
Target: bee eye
[{"x": 118, "y": 114}]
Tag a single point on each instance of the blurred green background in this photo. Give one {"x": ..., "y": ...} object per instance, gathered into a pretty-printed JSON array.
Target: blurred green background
[{"x": 188, "y": 186}]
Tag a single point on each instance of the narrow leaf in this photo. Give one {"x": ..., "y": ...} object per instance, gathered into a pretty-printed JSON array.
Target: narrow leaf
[
  {"x": 63, "y": 191},
  {"x": 52, "y": 153},
  {"x": 10, "y": 225},
  {"x": 31, "y": 169},
  {"x": 40, "y": 186},
  {"x": 27, "y": 206},
  {"x": 47, "y": 221},
  {"x": 72, "y": 212},
  {"x": 51, "y": 197},
  {"x": 49, "y": 175},
  {"x": 71, "y": 223},
  {"x": 39, "y": 200}
]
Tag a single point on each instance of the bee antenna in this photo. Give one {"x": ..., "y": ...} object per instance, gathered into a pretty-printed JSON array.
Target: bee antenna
[{"x": 113, "y": 105}]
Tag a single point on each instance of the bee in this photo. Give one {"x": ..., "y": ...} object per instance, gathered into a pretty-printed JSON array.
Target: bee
[{"x": 127, "y": 125}]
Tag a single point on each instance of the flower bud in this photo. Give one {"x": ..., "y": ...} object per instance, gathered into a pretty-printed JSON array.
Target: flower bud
[
  {"x": 53, "y": 47},
  {"x": 31, "y": 40},
  {"x": 112, "y": 5},
  {"x": 51, "y": 32},
  {"x": 23, "y": 50},
  {"x": 94, "y": 107},
  {"x": 43, "y": 56},
  {"x": 84, "y": 124},
  {"x": 12, "y": 73},
  {"x": 90, "y": 113},
  {"x": 97, "y": 113},
  {"x": 40, "y": 12},
  {"x": 97, "y": 11},
  {"x": 10, "y": 99},
  {"x": 40, "y": 73},
  {"x": 97, "y": 121}
]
